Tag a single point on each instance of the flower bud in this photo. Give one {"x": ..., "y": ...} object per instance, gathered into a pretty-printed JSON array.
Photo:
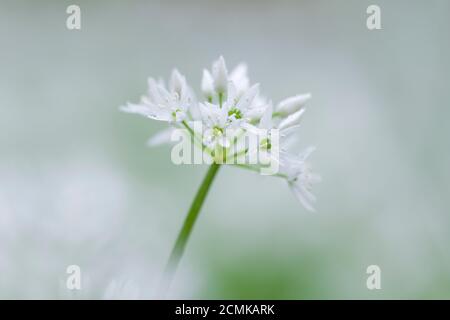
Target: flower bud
[
  {"x": 220, "y": 75},
  {"x": 207, "y": 84}
]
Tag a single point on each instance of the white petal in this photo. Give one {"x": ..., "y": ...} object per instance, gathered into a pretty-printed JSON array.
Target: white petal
[
  {"x": 302, "y": 197},
  {"x": 187, "y": 97},
  {"x": 212, "y": 114},
  {"x": 291, "y": 120},
  {"x": 207, "y": 84},
  {"x": 141, "y": 109},
  {"x": 287, "y": 133},
  {"x": 256, "y": 112},
  {"x": 194, "y": 111},
  {"x": 153, "y": 92},
  {"x": 151, "y": 111},
  {"x": 250, "y": 128},
  {"x": 247, "y": 98},
  {"x": 205, "y": 111},
  {"x": 231, "y": 95},
  {"x": 220, "y": 75},
  {"x": 240, "y": 78},
  {"x": 239, "y": 72},
  {"x": 266, "y": 119},
  {"x": 177, "y": 82},
  {"x": 292, "y": 104},
  {"x": 164, "y": 95}
]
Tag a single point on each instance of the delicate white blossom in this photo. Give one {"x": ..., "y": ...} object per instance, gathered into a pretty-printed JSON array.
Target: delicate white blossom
[
  {"x": 164, "y": 104},
  {"x": 231, "y": 102}
]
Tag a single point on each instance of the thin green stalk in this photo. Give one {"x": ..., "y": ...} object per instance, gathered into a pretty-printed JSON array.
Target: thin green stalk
[
  {"x": 196, "y": 137},
  {"x": 220, "y": 99},
  {"x": 188, "y": 225}
]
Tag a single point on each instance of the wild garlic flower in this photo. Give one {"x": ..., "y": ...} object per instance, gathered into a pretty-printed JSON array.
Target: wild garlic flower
[
  {"x": 231, "y": 103},
  {"x": 172, "y": 104}
]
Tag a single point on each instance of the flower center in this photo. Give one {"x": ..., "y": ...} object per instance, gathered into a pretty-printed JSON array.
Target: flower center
[
  {"x": 236, "y": 113},
  {"x": 217, "y": 131},
  {"x": 175, "y": 113},
  {"x": 265, "y": 143}
]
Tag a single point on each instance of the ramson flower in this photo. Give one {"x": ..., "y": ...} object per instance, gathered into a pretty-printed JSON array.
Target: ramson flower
[
  {"x": 231, "y": 102},
  {"x": 164, "y": 104},
  {"x": 231, "y": 114}
]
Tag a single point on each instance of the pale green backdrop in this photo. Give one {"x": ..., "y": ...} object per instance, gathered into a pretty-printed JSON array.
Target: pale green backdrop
[{"x": 79, "y": 186}]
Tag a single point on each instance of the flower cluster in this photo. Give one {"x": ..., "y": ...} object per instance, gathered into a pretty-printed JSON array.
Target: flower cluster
[{"x": 231, "y": 102}]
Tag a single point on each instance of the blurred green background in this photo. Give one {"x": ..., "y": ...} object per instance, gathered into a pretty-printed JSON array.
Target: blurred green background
[{"x": 79, "y": 186}]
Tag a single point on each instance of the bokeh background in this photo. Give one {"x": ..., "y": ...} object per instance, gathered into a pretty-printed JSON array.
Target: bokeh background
[{"x": 78, "y": 185}]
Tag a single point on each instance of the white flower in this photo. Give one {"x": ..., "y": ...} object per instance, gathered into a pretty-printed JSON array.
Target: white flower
[
  {"x": 239, "y": 106},
  {"x": 164, "y": 105},
  {"x": 231, "y": 104},
  {"x": 232, "y": 114},
  {"x": 215, "y": 120},
  {"x": 264, "y": 129}
]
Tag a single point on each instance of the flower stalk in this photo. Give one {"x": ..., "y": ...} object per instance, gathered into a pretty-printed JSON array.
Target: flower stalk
[{"x": 188, "y": 225}]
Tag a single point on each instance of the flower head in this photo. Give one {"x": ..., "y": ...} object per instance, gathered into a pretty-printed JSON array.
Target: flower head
[{"x": 231, "y": 103}]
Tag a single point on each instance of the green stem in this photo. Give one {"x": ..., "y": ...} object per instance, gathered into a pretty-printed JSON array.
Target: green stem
[
  {"x": 220, "y": 99},
  {"x": 276, "y": 114},
  {"x": 196, "y": 138},
  {"x": 188, "y": 225}
]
